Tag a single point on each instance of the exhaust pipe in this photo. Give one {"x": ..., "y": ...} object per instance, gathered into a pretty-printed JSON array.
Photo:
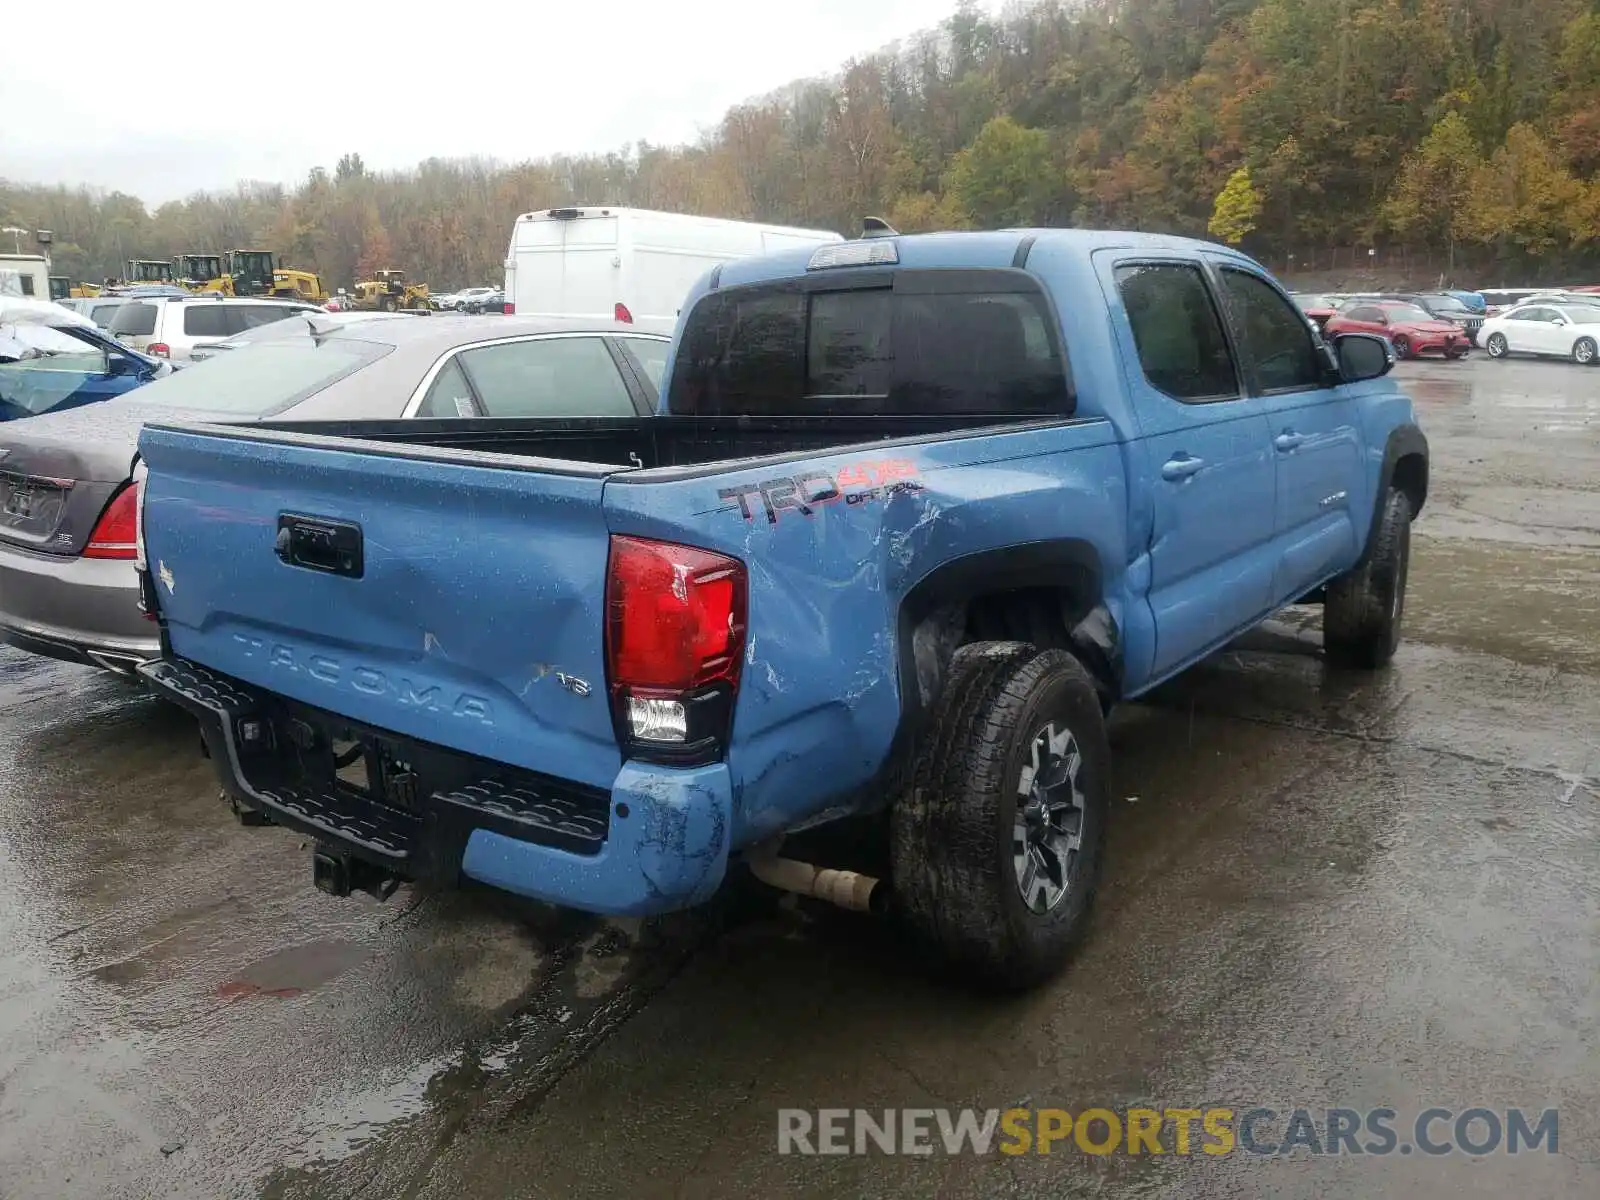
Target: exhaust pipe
[{"x": 847, "y": 889}]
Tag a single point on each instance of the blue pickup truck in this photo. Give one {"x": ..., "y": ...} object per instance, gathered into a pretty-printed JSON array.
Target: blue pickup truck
[{"x": 915, "y": 513}]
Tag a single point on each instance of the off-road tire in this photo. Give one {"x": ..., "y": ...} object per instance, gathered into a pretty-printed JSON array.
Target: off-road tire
[
  {"x": 1585, "y": 352},
  {"x": 390, "y": 304},
  {"x": 951, "y": 837},
  {"x": 1497, "y": 346},
  {"x": 1362, "y": 615}
]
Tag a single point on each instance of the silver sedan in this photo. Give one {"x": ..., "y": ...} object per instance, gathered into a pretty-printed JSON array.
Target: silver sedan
[{"x": 68, "y": 588}]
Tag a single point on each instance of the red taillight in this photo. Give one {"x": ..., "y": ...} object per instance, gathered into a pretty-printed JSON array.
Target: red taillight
[
  {"x": 675, "y": 625},
  {"x": 621, "y": 313},
  {"x": 159, "y": 349},
  {"x": 115, "y": 533},
  {"x": 511, "y": 308}
]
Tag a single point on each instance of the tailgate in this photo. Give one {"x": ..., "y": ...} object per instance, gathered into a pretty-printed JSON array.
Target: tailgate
[{"x": 453, "y": 597}]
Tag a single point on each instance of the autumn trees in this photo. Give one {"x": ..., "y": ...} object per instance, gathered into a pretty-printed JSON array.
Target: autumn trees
[{"x": 1468, "y": 130}]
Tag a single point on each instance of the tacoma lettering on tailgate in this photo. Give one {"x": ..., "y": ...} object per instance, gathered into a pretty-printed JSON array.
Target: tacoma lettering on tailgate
[{"x": 368, "y": 680}]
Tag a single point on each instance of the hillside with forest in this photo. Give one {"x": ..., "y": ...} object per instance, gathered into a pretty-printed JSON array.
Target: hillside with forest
[{"x": 1464, "y": 134}]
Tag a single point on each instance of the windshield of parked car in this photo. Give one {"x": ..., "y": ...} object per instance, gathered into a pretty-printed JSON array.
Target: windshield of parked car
[
  {"x": 1308, "y": 301},
  {"x": 23, "y": 341},
  {"x": 1582, "y": 314},
  {"x": 42, "y": 366},
  {"x": 266, "y": 378},
  {"x": 1407, "y": 312},
  {"x": 1447, "y": 304}
]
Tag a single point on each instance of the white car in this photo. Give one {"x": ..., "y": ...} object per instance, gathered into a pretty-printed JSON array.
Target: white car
[
  {"x": 171, "y": 327},
  {"x": 459, "y": 300},
  {"x": 1556, "y": 330},
  {"x": 285, "y": 329}
]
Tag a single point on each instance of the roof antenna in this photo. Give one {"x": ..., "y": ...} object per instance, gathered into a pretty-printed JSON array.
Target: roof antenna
[{"x": 872, "y": 227}]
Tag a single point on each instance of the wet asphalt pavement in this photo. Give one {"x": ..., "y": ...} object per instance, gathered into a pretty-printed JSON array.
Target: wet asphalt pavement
[{"x": 1322, "y": 890}]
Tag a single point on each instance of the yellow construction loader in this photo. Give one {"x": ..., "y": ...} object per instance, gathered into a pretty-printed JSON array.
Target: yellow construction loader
[
  {"x": 148, "y": 270},
  {"x": 388, "y": 291},
  {"x": 293, "y": 284},
  {"x": 202, "y": 273}
]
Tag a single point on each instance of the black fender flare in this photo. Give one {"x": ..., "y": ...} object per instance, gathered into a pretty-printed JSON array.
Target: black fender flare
[
  {"x": 923, "y": 649},
  {"x": 1404, "y": 442}
]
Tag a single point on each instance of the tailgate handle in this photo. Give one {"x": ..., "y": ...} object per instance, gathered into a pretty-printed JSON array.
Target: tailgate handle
[{"x": 320, "y": 544}]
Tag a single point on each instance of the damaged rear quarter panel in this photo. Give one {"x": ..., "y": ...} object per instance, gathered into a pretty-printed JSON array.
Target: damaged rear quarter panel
[{"x": 832, "y": 546}]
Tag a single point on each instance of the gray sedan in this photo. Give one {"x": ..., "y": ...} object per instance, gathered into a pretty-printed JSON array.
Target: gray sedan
[{"x": 67, "y": 540}]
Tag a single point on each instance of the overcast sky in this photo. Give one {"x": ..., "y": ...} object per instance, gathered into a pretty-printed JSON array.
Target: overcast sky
[{"x": 203, "y": 95}]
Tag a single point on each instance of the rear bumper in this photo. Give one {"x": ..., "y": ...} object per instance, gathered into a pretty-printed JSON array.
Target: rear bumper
[
  {"x": 82, "y": 610},
  {"x": 657, "y": 841}
]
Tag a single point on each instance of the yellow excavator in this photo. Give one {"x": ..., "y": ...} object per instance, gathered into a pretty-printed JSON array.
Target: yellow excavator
[{"x": 388, "y": 291}]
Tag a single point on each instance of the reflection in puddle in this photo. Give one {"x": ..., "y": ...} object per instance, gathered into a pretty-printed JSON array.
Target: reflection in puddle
[{"x": 333, "y": 1129}]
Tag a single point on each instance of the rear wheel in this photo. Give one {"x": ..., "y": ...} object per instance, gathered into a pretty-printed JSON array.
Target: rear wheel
[
  {"x": 1363, "y": 610},
  {"x": 996, "y": 844},
  {"x": 1402, "y": 346},
  {"x": 1497, "y": 346},
  {"x": 1584, "y": 352}
]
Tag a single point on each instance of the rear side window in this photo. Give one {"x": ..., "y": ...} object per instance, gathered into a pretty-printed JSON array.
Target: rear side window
[
  {"x": 449, "y": 395},
  {"x": 206, "y": 320},
  {"x": 251, "y": 316},
  {"x": 969, "y": 342},
  {"x": 1177, "y": 331},
  {"x": 102, "y": 314},
  {"x": 134, "y": 320},
  {"x": 1277, "y": 341},
  {"x": 548, "y": 377},
  {"x": 1365, "y": 312},
  {"x": 649, "y": 355}
]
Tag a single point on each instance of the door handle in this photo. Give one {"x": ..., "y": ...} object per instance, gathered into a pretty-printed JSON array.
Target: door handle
[
  {"x": 1288, "y": 440},
  {"x": 1181, "y": 467}
]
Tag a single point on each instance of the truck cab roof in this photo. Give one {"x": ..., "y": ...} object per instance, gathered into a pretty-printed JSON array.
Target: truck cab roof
[{"x": 1001, "y": 248}]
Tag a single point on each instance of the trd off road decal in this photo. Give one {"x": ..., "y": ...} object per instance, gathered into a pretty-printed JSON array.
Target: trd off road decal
[{"x": 854, "y": 483}]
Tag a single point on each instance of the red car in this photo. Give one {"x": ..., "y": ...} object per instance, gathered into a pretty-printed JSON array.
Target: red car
[
  {"x": 1413, "y": 331},
  {"x": 1318, "y": 308}
]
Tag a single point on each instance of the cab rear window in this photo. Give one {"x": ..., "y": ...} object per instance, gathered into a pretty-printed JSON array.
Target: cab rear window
[{"x": 910, "y": 342}]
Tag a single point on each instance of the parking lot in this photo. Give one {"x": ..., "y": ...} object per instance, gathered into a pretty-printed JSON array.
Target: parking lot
[{"x": 1321, "y": 890}]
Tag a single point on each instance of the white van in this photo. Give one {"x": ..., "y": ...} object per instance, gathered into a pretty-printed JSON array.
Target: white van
[
  {"x": 26, "y": 275},
  {"x": 627, "y": 264}
]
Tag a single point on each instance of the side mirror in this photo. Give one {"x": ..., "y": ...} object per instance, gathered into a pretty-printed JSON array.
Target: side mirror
[
  {"x": 120, "y": 364},
  {"x": 1562, "y": 321},
  {"x": 1363, "y": 356}
]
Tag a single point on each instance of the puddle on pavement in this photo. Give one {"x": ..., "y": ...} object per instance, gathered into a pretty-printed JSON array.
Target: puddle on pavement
[
  {"x": 295, "y": 969},
  {"x": 334, "y": 1129},
  {"x": 1540, "y": 607}
]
